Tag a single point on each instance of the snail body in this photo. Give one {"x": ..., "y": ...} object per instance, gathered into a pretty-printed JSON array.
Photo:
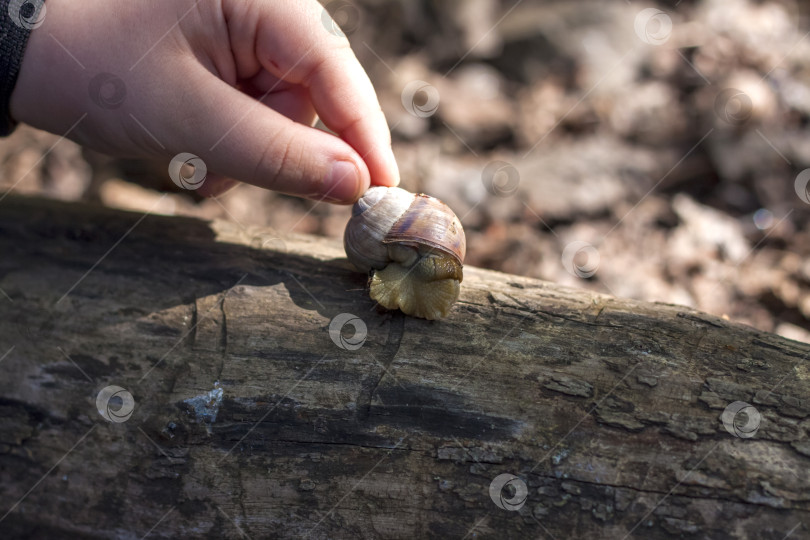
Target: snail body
[{"x": 414, "y": 246}]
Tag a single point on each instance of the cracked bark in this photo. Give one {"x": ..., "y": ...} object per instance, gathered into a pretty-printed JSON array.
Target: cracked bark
[{"x": 608, "y": 409}]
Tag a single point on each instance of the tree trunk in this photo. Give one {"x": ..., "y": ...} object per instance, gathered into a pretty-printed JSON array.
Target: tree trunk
[{"x": 251, "y": 419}]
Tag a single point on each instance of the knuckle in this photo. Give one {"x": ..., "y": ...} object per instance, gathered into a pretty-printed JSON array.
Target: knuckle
[
  {"x": 324, "y": 58},
  {"x": 278, "y": 162}
]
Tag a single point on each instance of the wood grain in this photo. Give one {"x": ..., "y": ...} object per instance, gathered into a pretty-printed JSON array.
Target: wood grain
[{"x": 249, "y": 421}]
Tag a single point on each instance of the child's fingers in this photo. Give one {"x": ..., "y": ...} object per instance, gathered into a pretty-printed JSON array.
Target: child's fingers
[
  {"x": 294, "y": 103},
  {"x": 291, "y": 100},
  {"x": 215, "y": 185},
  {"x": 247, "y": 140},
  {"x": 309, "y": 54}
]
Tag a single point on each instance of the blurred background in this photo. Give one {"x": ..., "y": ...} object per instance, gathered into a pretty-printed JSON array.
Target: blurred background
[{"x": 651, "y": 151}]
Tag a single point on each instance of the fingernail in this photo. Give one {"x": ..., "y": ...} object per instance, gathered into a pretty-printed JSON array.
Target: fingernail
[
  {"x": 342, "y": 182},
  {"x": 392, "y": 166}
]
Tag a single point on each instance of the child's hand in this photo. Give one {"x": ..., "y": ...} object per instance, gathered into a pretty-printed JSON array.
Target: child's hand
[{"x": 192, "y": 72}]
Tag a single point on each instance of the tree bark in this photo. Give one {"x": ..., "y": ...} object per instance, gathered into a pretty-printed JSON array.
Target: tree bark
[{"x": 250, "y": 421}]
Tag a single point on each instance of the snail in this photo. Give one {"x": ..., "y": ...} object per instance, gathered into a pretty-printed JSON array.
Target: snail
[{"x": 414, "y": 246}]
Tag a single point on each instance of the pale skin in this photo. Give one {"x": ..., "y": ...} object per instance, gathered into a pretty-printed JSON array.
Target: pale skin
[{"x": 193, "y": 72}]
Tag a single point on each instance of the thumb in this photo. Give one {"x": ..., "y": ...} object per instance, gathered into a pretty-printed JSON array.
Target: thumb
[{"x": 246, "y": 140}]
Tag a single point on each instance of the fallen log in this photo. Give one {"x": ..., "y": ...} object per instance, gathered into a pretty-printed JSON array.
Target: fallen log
[{"x": 250, "y": 416}]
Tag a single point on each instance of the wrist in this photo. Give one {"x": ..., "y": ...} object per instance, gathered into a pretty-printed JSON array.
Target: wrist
[{"x": 48, "y": 93}]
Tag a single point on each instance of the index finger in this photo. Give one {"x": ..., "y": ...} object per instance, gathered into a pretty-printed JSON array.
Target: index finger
[{"x": 293, "y": 43}]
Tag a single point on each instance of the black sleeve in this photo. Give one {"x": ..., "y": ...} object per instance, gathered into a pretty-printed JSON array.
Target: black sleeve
[{"x": 17, "y": 19}]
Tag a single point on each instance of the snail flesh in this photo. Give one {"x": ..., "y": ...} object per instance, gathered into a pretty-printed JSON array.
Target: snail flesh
[{"x": 413, "y": 245}]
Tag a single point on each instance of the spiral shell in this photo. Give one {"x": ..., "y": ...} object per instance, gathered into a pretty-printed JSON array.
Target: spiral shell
[
  {"x": 414, "y": 246},
  {"x": 385, "y": 216}
]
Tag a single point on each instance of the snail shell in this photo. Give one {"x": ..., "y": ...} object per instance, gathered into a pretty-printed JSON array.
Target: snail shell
[{"x": 414, "y": 245}]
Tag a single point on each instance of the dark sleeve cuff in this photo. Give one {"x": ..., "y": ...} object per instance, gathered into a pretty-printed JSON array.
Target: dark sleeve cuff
[{"x": 17, "y": 19}]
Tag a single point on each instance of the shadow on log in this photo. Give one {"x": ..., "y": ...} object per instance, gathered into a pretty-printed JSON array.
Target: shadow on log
[{"x": 249, "y": 420}]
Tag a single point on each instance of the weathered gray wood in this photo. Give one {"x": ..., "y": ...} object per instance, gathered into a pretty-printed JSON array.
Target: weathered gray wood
[{"x": 608, "y": 409}]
